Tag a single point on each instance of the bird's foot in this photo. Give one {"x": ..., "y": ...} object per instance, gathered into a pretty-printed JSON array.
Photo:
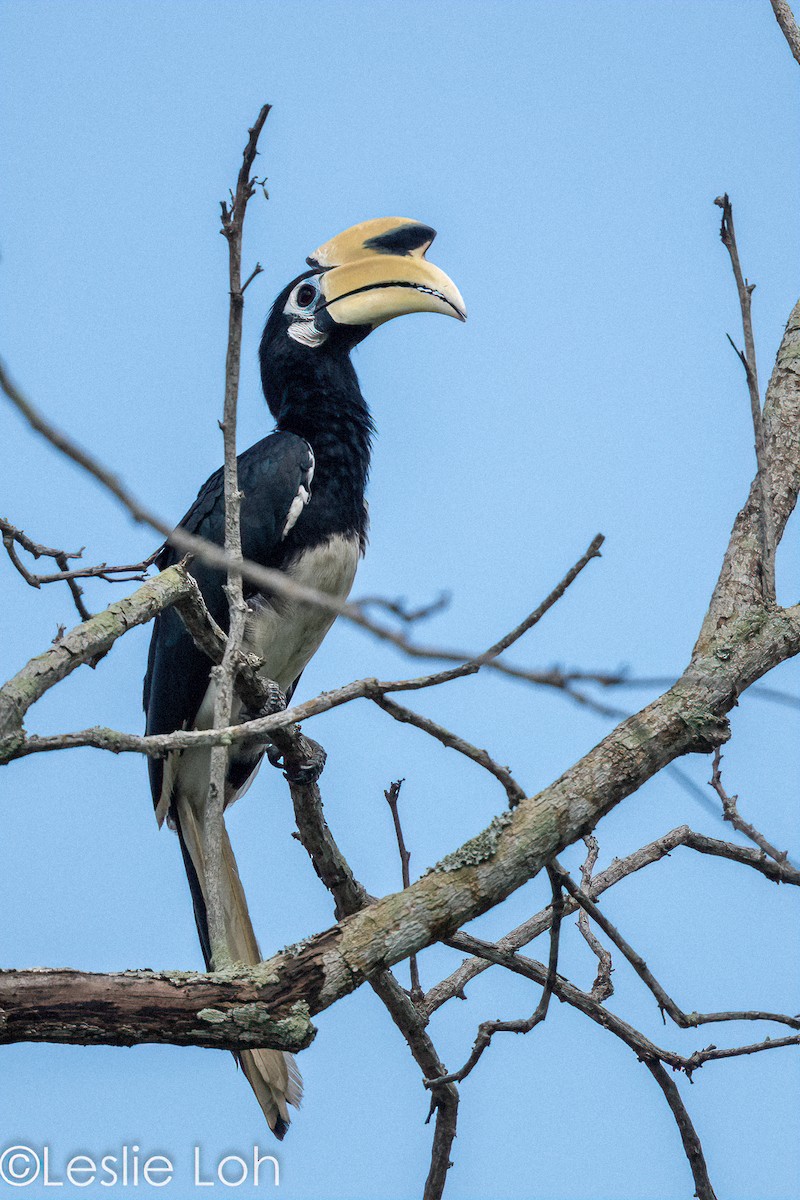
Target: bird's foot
[
  {"x": 274, "y": 701},
  {"x": 305, "y": 762}
]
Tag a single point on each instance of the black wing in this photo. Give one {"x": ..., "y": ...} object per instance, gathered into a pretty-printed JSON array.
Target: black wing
[{"x": 270, "y": 475}]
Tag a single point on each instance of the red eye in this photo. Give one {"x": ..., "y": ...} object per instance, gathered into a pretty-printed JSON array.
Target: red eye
[{"x": 305, "y": 295}]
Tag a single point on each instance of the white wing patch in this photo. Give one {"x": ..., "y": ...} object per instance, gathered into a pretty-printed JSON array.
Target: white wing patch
[{"x": 301, "y": 499}]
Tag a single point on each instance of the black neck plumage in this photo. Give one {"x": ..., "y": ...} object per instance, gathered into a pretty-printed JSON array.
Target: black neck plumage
[{"x": 314, "y": 393}]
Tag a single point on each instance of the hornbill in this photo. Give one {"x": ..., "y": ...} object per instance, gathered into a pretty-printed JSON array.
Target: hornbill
[{"x": 304, "y": 513}]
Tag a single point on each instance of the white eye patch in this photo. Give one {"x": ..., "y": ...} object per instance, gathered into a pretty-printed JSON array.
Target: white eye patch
[{"x": 300, "y": 308}]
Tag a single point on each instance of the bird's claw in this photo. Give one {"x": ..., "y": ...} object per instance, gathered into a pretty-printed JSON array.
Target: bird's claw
[
  {"x": 275, "y": 755},
  {"x": 306, "y": 764},
  {"x": 274, "y": 701}
]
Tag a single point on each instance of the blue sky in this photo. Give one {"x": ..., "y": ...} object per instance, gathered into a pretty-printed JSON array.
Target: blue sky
[{"x": 568, "y": 154}]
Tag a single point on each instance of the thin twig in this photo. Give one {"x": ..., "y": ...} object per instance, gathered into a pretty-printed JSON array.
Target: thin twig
[
  {"x": 224, "y": 675},
  {"x": 748, "y": 360},
  {"x": 408, "y": 717},
  {"x": 730, "y": 812},
  {"x": 665, "y": 1002},
  {"x": 400, "y": 609},
  {"x": 645, "y": 1050},
  {"x": 266, "y": 579},
  {"x": 392, "y": 796},
  {"x": 715, "y": 1054},
  {"x": 488, "y": 1029},
  {"x": 127, "y": 573},
  {"x": 621, "y": 868},
  {"x": 602, "y": 987},
  {"x": 692, "y": 1145}
]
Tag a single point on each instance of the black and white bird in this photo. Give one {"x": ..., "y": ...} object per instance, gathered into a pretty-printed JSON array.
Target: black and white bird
[{"x": 304, "y": 513}]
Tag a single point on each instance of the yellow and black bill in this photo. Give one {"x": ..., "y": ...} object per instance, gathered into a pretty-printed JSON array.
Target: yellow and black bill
[{"x": 377, "y": 270}]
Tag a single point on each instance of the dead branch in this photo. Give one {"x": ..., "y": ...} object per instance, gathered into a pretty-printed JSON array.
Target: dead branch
[
  {"x": 127, "y": 572},
  {"x": 644, "y": 1049},
  {"x": 621, "y": 868},
  {"x": 207, "y": 635},
  {"x": 224, "y": 675},
  {"x": 408, "y": 717},
  {"x": 488, "y": 1029},
  {"x": 748, "y": 360},
  {"x": 665, "y": 1002},
  {"x": 785, "y": 18},
  {"x": 400, "y": 608},
  {"x": 602, "y": 987},
  {"x": 392, "y": 797},
  {"x": 714, "y": 1054},
  {"x": 351, "y": 897},
  {"x": 730, "y": 812},
  {"x": 222, "y": 1011}
]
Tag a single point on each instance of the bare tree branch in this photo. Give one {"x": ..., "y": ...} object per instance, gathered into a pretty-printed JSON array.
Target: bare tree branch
[
  {"x": 488, "y": 1029},
  {"x": 748, "y": 359},
  {"x": 691, "y": 1142},
  {"x": 731, "y": 813},
  {"x": 644, "y": 1049},
  {"x": 407, "y": 716},
  {"x": 127, "y": 572},
  {"x": 400, "y": 608},
  {"x": 621, "y": 868},
  {"x": 665, "y": 1002},
  {"x": 183, "y": 1008},
  {"x": 785, "y": 18},
  {"x": 224, "y": 675},
  {"x": 392, "y": 797},
  {"x": 602, "y": 987},
  {"x": 714, "y": 1054}
]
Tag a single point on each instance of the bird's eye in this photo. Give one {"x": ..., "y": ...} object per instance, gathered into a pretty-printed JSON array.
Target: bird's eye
[{"x": 305, "y": 295}]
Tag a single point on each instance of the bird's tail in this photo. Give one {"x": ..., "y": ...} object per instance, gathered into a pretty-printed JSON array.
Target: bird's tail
[{"x": 272, "y": 1074}]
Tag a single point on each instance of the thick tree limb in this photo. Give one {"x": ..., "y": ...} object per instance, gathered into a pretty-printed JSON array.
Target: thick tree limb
[{"x": 222, "y": 1011}]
